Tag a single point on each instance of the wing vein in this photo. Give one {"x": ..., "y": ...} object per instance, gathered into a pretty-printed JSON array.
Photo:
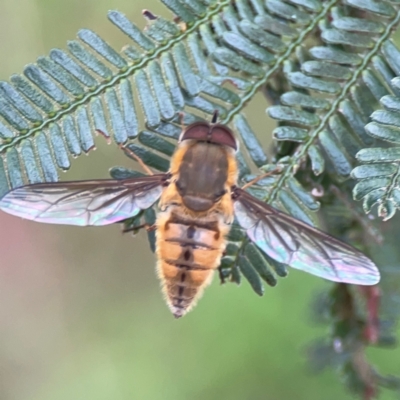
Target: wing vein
[
  {"x": 97, "y": 202},
  {"x": 301, "y": 246}
]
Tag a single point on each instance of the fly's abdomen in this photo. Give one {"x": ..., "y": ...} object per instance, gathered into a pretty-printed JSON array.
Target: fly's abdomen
[{"x": 189, "y": 250}]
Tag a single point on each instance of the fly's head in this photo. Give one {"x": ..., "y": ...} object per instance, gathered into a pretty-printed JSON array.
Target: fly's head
[{"x": 210, "y": 133}]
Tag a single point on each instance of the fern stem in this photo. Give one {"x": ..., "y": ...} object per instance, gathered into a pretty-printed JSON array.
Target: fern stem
[{"x": 295, "y": 159}]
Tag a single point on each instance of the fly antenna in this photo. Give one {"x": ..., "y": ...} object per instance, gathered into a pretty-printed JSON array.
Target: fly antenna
[{"x": 215, "y": 117}]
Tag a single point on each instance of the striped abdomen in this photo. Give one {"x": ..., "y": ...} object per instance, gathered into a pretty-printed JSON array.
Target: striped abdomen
[{"x": 189, "y": 250}]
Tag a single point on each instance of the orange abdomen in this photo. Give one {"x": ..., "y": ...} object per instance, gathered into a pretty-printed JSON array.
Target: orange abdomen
[{"x": 189, "y": 249}]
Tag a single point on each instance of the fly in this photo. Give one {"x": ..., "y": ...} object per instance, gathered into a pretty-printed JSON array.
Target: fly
[{"x": 198, "y": 199}]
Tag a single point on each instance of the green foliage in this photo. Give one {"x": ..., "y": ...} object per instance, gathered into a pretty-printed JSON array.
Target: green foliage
[
  {"x": 379, "y": 173},
  {"x": 359, "y": 317},
  {"x": 325, "y": 65}
]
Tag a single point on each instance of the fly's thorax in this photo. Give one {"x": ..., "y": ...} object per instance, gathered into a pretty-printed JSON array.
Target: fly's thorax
[
  {"x": 203, "y": 173},
  {"x": 202, "y": 176}
]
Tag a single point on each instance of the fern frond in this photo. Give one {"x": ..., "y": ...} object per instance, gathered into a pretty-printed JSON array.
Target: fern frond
[
  {"x": 53, "y": 109},
  {"x": 378, "y": 176},
  {"x": 335, "y": 90}
]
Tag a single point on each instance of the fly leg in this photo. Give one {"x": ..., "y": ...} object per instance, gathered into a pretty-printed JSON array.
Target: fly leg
[
  {"x": 128, "y": 152},
  {"x": 148, "y": 227},
  {"x": 131, "y": 154},
  {"x": 145, "y": 219},
  {"x": 222, "y": 275},
  {"x": 222, "y": 272},
  {"x": 277, "y": 170}
]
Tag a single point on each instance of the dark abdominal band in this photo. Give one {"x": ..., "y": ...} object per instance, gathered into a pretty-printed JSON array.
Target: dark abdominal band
[{"x": 184, "y": 291}]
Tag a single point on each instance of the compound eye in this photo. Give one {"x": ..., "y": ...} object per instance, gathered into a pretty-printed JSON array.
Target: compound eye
[
  {"x": 221, "y": 134},
  {"x": 198, "y": 131}
]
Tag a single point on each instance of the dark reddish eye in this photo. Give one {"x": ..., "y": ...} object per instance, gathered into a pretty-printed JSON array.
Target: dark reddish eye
[
  {"x": 197, "y": 131},
  {"x": 221, "y": 134}
]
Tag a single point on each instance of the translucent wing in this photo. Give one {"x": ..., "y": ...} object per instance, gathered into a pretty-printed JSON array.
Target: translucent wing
[
  {"x": 298, "y": 245},
  {"x": 97, "y": 202}
]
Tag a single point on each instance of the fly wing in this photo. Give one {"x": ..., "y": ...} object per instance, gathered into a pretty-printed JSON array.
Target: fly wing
[
  {"x": 83, "y": 203},
  {"x": 298, "y": 245}
]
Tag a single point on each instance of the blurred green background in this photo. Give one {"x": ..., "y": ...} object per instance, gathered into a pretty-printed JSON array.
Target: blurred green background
[{"x": 81, "y": 313}]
